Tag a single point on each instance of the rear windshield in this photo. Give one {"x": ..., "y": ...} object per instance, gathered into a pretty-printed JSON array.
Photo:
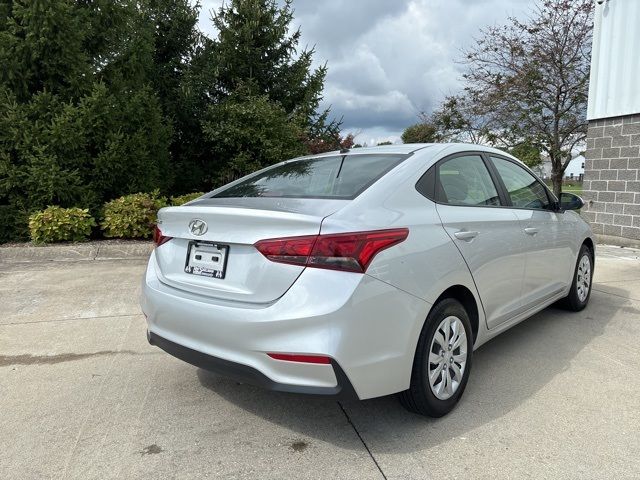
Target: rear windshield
[{"x": 340, "y": 177}]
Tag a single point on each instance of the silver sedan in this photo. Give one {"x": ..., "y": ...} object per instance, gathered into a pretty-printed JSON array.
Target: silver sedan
[{"x": 364, "y": 272}]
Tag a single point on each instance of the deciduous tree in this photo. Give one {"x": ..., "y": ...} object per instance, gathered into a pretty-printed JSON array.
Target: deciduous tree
[
  {"x": 528, "y": 80},
  {"x": 422, "y": 132}
]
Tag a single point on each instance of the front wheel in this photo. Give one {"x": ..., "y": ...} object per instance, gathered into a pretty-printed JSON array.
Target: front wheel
[
  {"x": 581, "y": 287},
  {"x": 442, "y": 361}
]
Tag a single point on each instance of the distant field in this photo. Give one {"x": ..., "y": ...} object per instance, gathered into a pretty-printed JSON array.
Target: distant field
[{"x": 575, "y": 188}]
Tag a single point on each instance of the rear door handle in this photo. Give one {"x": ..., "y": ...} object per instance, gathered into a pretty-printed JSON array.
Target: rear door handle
[
  {"x": 465, "y": 235},
  {"x": 530, "y": 230}
]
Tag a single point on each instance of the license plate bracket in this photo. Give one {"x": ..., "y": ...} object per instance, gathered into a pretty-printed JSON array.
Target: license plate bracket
[{"x": 207, "y": 259}]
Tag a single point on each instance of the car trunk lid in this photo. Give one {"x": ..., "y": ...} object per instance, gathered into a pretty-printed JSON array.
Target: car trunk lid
[{"x": 234, "y": 226}]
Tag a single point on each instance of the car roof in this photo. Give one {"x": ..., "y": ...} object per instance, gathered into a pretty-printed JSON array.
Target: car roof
[
  {"x": 402, "y": 148},
  {"x": 451, "y": 148},
  {"x": 408, "y": 148}
]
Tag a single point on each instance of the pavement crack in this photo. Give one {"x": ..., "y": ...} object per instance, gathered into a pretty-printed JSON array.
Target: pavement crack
[
  {"x": 96, "y": 400},
  {"x": 616, "y": 295},
  {"x": 362, "y": 440}
]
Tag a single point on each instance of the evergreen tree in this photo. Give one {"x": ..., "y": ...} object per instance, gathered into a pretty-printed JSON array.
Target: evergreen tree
[
  {"x": 254, "y": 132},
  {"x": 255, "y": 50},
  {"x": 256, "y": 60},
  {"x": 100, "y": 98},
  {"x": 79, "y": 122},
  {"x": 41, "y": 48},
  {"x": 183, "y": 75}
]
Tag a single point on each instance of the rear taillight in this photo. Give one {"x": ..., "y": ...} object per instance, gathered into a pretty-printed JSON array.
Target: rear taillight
[
  {"x": 158, "y": 237},
  {"x": 352, "y": 252}
]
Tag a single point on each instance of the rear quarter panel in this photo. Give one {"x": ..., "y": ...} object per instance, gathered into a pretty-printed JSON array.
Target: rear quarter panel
[{"x": 427, "y": 263}]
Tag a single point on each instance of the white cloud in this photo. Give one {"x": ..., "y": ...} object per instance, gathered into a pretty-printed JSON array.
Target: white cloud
[{"x": 390, "y": 60}]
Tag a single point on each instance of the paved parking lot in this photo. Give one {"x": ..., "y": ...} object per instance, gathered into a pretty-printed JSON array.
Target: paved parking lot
[{"x": 82, "y": 395}]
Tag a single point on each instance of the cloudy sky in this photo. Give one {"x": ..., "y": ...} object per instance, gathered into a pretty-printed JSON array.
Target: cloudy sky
[{"x": 389, "y": 60}]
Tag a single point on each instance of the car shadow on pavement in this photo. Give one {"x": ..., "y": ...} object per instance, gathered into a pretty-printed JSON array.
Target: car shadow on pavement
[{"x": 507, "y": 371}]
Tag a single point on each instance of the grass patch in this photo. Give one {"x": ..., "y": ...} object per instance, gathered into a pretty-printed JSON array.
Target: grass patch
[{"x": 575, "y": 189}]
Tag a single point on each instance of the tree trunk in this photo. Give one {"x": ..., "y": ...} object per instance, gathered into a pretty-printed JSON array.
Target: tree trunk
[{"x": 556, "y": 180}]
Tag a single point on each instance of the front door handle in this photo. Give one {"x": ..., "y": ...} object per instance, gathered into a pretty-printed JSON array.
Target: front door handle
[
  {"x": 465, "y": 235},
  {"x": 530, "y": 230}
]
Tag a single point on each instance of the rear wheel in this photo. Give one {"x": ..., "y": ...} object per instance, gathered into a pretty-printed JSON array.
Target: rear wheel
[
  {"x": 442, "y": 362},
  {"x": 581, "y": 287}
]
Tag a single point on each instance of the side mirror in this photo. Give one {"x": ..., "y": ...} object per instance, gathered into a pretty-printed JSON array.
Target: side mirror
[{"x": 569, "y": 201}]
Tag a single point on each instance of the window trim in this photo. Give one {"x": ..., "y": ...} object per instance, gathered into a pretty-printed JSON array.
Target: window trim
[
  {"x": 428, "y": 180},
  {"x": 553, "y": 202}
]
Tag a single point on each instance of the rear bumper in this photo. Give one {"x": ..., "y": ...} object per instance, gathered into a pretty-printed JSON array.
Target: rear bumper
[
  {"x": 250, "y": 375},
  {"x": 369, "y": 328}
]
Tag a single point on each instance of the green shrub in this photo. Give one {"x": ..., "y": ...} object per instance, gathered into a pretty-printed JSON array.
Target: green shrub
[
  {"x": 132, "y": 216},
  {"x": 56, "y": 224},
  {"x": 182, "y": 199}
]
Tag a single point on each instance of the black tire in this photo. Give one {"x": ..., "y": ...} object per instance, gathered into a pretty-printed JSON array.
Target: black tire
[
  {"x": 572, "y": 301},
  {"x": 419, "y": 398}
]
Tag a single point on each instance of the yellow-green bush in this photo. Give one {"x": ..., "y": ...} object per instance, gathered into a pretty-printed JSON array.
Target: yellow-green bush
[
  {"x": 132, "y": 216},
  {"x": 56, "y": 224},
  {"x": 182, "y": 199}
]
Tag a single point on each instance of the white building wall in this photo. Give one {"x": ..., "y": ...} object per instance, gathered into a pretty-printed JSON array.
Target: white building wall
[
  {"x": 575, "y": 167},
  {"x": 614, "y": 88}
]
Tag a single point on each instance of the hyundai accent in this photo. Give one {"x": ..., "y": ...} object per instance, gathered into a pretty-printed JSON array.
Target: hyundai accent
[{"x": 364, "y": 272}]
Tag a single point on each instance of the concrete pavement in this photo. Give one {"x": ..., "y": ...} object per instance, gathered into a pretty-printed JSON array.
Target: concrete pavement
[{"x": 82, "y": 395}]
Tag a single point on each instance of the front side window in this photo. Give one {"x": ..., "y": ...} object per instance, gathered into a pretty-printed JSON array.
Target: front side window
[
  {"x": 523, "y": 188},
  {"x": 339, "y": 177},
  {"x": 465, "y": 180}
]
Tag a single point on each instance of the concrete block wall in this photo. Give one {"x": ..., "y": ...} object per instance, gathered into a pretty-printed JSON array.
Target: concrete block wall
[{"x": 611, "y": 187}]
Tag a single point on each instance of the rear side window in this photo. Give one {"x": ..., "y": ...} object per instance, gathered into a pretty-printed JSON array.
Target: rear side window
[
  {"x": 465, "y": 180},
  {"x": 339, "y": 177},
  {"x": 523, "y": 188}
]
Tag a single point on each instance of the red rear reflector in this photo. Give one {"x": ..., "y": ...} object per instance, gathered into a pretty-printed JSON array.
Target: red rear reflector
[
  {"x": 158, "y": 237},
  {"x": 287, "y": 357},
  {"x": 352, "y": 252}
]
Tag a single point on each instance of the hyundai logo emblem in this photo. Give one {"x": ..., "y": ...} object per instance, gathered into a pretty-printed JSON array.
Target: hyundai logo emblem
[{"x": 198, "y": 227}]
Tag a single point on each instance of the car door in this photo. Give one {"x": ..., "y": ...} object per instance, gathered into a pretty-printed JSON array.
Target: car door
[
  {"x": 547, "y": 237},
  {"x": 487, "y": 235}
]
